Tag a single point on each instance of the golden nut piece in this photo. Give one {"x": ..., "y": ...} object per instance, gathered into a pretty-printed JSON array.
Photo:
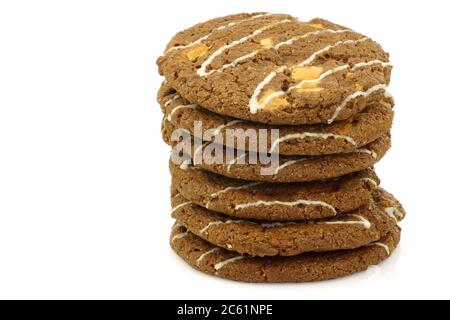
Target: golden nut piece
[
  {"x": 309, "y": 85},
  {"x": 306, "y": 73},
  {"x": 315, "y": 25},
  {"x": 274, "y": 103},
  {"x": 309, "y": 90},
  {"x": 267, "y": 42},
  {"x": 198, "y": 51}
]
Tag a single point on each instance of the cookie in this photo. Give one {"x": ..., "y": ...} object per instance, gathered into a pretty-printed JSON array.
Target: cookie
[
  {"x": 256, "y": 238},
  {"x": 211, "y": 259},
  {"x": 273, "y": 68},
  {"x": 249, "y": 166},
  {"x": 274, "y": 201},
  {"x": 341, "y": 136}
]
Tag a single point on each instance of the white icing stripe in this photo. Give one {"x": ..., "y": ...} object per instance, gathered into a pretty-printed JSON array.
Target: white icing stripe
[
  {"x": 393, "y": 213},
  {"x": 225, "y": 125},
  {"x": 177, "y": 225},
  {"x": 355, "y": 95},
  {"x": 327, "y": 48},
  {"x": 312, "y": 33},
  {"x": 310, "y": 135},
  {"x": 359, "y": 65},
  {"x": 223, "y": 27},
  {"x": 364, "y": 150},
  {"x": 254, "y": 104},
  {"x": 287, "y": 164},
  {"x": 327, "y": 73},
  {"x": 179, "y": 236},
  {"x": 215, "y": 223},
  {"x": 361, "y": 220},
  {"x": 171, "y": 100},
  {"x": 292, "y": 162},
  {"x": 216, "y": 194},
  {"x": 203, "y": 255},
  {"x": 222, "y": 264},
  {"x": 180, "y": 206},
  {"x": 202, "y": 70},
  {"x": 366, "y": 223},
  {"x": 388, "y": 95},
  {"x": 276, "y": 47},
  {"x": 174, "y": 110},
  {"x": 232, "y": 162},
  {"x": 380, "y": 244},
  {"x": 285, "y": 203}
]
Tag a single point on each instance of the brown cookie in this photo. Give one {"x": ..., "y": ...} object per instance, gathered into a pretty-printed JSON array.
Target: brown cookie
[
  {"x": 256, "y": 238},
  {"x": 274, "y": 201},
  {"x": 249, "y": 166},
  {"x": 211, "y": 259},
  {"x": 272, "y": 68},
  {"x": 341, "y": 136}
]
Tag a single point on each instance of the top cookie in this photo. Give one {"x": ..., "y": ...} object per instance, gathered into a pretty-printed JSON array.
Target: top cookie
[{"x": 272, "y": 68}]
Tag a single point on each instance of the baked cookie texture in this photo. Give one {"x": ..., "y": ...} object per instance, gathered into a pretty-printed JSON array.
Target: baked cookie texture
[
  {"x": 318, "y": 92},
  {"x": 368, "y": 125},
  {"x": 274, "y": 201},
  {"x": 356, "y": 228},
  {"x": 273, "y": 68},
  {"x": 211, "y": 259}
]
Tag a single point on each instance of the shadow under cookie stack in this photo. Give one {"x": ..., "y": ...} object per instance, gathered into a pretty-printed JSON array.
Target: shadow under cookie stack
[{"x": 319, "y": 91}]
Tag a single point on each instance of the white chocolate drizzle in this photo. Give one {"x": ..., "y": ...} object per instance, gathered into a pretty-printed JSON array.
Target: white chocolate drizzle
[
  {"x": 290, "y": 41},
  {"x": 287, "y": 164},
  {"x": 382, "y": 245},
  {"x": 171, "y": 100},
  {"x": 304, "y": 135},
  {"x": 179, "y": 236},
  {"x": 364, "y": 150},
  {"x": 174, "y": 110},
  {"x": 254, "y": 103},
  {"x": 215, "y": 223},
  {"x": 393, "y": 213},
  {"x": 225, "y": 125},
  {"x": 202, "y": 70},
  {"x": 285, "y": 203},
  {"x": 216, "y": 194},
  {"x": 222, "y": 264},
  {"x": 353, "y": 96},
  {"x": 180, "y": 206},
  {"x": 324, "y": 75},
  {"x": 223, "y": 27},
  {"x": 203, "y": 255},
  {"x": 361, "y": 220},
  {"x": 232, "y": 162},
  {"x": 177, "y": 225}
]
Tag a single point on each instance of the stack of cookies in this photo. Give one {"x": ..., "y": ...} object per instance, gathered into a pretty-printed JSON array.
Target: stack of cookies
[{"x": 303, "y": 110}]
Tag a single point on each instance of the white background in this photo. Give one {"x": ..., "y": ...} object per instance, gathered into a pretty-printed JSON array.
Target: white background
[{"x": 84, "y": 183}]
